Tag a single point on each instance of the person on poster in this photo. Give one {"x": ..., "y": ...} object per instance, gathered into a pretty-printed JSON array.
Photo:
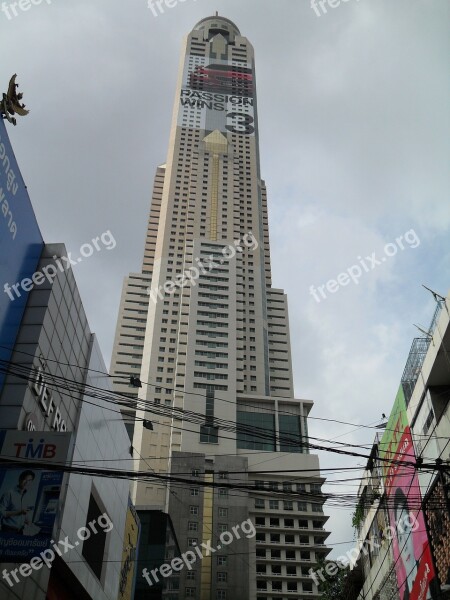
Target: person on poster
[
  {"x": 13, "y": 512},
  {"x": 405, "y": 538}
]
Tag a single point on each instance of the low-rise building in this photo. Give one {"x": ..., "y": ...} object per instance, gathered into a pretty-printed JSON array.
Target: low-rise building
[
  {"x": 403, "y": 513},
  {"x": 53, "y": 379}
]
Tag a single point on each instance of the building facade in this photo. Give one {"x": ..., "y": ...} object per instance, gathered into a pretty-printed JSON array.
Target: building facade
[
  {"x": 208, "y": 336},
  {"x": 427, "y": 395},
  {"x": 54, "y": 367},
  {"x": 375, "y": 558},
  {"x": 403, "y": 514}
]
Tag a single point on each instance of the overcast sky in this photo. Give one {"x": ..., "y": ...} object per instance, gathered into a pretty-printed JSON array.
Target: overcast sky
[{"x": 354, "y": 130}]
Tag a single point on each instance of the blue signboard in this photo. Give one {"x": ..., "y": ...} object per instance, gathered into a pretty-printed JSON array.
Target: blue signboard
[
  {"x": 21, "y": 245},
  {"x": 29, "y": 497}
]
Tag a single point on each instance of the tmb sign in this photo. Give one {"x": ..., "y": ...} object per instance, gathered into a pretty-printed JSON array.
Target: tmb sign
[{"x": 29, "y": 496}]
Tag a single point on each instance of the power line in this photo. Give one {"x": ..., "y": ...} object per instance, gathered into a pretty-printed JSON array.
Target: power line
[
  {"x": 181, "y": 392},
  {"x": 181, "y": 415}
]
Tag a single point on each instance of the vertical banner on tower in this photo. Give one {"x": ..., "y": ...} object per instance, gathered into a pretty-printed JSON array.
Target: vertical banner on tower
[
  {"x": 131, "y": 536},
  {"x": 416, "y": 578},
  {"x": 217, "y": 95}
]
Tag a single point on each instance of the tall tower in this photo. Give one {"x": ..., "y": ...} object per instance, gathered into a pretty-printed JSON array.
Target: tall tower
[{"x": 208, "y": 335}]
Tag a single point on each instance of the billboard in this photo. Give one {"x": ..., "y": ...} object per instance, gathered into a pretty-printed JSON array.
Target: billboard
[
  {"x": 20, "y": 246},
  {"x": 416, "y": 579},
  {"x": 29, "y": 497},
  {"x": 217, "y": 95},
  {"x": 128, "y": 571}
]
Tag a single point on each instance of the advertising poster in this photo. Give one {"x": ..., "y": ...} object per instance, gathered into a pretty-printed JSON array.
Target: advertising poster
[
  {"x": 416, "y": 578},
  {"x": 20, "y": 246},
  {"x": 29, "y": 497},
  {"x": 217, "y": 95},
  {"x": 129, "y": 555}
]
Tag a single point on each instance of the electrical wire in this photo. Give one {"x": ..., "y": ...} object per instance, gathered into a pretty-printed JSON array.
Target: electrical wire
[
  {"x": 198, "y": 418},
  {"x": 107, "y": 375}
]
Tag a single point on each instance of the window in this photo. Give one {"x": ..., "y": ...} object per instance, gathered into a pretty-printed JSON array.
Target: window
[
  {"x": 221, "y": 561},
  {"x": 194, "y": 491},
  {"x": 193, "y": 511},
  {"x": 223, "y": 512},
  {"x": 276, "y": 569},
  {"x": 292, "y": 586},
  {"x": 190, "y": 592},
  {"x": 222, "y": 577},
  {"x": 192, "y": 526},
  {"x": 289, "y": 539},
  {"x": 192, "y": 541},
  {"x": 223, "y": 493},
  {"x": 275, "y": 538},
  {"x": 190, "y": 575},
  {"x": 209, "y": 435},
  {"x": 274, "y": 522},
  {"x": 277, "y": 586},
  {"x": 303, "y": 524},
  {"x": 290, "y": 555},
  {"x": 288, "y": 505},
  {"x": 247, "y": 421},
  {"x": 174, "y": 584},
  {"x": 94, "y": 547},
  {"x": 261, "y": 585},
  {"x": 307, "y": 587},
  {"x": 195, "y": 472},
  {"x": 276, "y": 554},
  {"x": 304, "y": 540},
  {"x": 221, "y": 595},
  {"x": 273, "y": 504},
  {"x": 302, "y": 506},
  {"x": 289, "y": 523},
  {"x": 222, "y": 528}
]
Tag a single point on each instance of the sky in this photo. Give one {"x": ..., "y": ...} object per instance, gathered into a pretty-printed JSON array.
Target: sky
[{"x": 354, "y": 136}]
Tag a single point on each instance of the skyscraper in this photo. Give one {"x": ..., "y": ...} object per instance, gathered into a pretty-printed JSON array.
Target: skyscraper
[{"x": 208, "y": 336}]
